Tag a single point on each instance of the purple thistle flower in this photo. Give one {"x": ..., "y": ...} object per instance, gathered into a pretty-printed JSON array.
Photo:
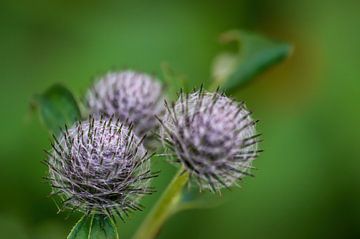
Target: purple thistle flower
[
  {"x": 131, "y": 96},
  {"x": 99, "y": 166},
  {"x": 212, "y": 136}
]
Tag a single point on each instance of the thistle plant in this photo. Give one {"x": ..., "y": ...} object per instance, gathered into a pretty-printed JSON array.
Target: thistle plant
[
  {"x": 100, "y": 167},
  {"x": 131, "y": 96},
  {"x": 212, "y": 136}
]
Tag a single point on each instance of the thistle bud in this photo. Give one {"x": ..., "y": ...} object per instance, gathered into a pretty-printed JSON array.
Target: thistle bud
[
  {"x": 99, "y": 166},
  {"x": 212, "y": 136},
  {"x": 133, "y": 97}
]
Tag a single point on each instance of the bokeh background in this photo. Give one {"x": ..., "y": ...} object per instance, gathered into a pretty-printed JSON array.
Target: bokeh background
[{"x": 308, "y": 182}]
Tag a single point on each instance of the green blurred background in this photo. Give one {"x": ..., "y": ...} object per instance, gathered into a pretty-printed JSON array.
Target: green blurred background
[{"x": 307, "y": 185}]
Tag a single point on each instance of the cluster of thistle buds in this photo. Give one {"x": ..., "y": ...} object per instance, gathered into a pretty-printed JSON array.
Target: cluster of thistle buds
[{"x": 101, "y": 165}]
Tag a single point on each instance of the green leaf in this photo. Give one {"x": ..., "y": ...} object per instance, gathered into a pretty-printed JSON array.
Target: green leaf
[
  {"x": 57, "y": 107},
  {"x": 256, "y": 54},
  {"x": 81, "y": 229},
  {"x": 102, "y": 227},
  {"x": 94, "y": 227}
]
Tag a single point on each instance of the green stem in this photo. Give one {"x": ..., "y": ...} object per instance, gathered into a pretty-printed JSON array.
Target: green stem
[
  {"x": 167, "y": 204},
  {"x": 164, "y": 207}
]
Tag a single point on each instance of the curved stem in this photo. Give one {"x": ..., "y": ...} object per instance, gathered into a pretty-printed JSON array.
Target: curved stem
[
  {"x": 167, "y": 204},
  {"x": 163, "y": 209}
]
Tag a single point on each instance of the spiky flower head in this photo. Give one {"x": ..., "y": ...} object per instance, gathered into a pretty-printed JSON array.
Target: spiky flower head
[
  {"x": 212, "y": 136},
  {"x": 99, "y": 166},
  {"x": 131, "y": 96}
]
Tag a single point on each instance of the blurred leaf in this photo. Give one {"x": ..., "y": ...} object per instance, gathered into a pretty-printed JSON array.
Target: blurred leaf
[
  {"x": 193, "y": 199},
  {"x": 57, "y": 107},
  {"x": 224, "y": 64},
  {"x": 256, "y": 54},
  {"x": 94, "y": 227}
]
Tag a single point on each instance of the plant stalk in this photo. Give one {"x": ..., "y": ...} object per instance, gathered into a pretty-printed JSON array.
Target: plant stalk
[{"x": 164, "y": 207}]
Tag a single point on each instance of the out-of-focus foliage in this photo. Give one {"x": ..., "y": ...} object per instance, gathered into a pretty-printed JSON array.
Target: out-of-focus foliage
[
  {"x": 57, "y": 107},
  {"x": 255, "y": 54}
]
